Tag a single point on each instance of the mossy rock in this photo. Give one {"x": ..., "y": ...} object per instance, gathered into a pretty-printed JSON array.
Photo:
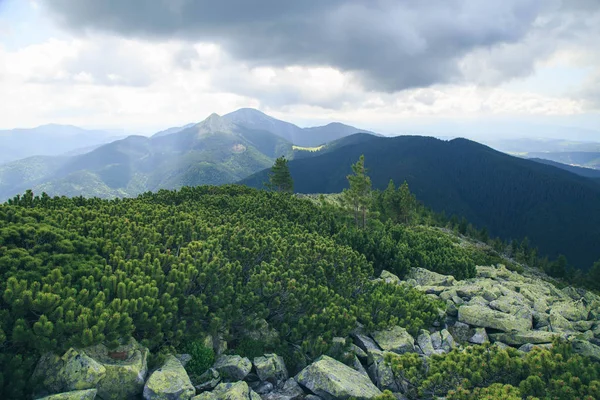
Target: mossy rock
[
  {"x": 169, "y": 382},
  {"x": 331, "y": 380},
  {"x": 89, "y": 394},
  {"x": 521, "y": 338},
  {"x": 271, "y": 368},
  {"x": 124, "y": 378},
  {"x": 233, "y": 368},
  {"x": 80, "y": 371},
  {"x": 480, "y": 316},
  {"x": 395, "y": 339}
]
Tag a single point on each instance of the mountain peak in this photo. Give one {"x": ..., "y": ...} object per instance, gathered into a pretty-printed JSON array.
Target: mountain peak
[{"x": 215, "y": 123}]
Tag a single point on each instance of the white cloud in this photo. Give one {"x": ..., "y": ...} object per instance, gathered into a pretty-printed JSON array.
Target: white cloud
[{"x": 105, "y": 81}]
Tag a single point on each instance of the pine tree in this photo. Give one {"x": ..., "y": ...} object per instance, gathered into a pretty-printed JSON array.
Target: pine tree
[
  {"x": 280, "y": 179},
  {"x": 358, "y": 196}
]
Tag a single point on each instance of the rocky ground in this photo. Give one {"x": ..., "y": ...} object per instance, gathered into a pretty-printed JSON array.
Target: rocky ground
[{"x": 499, "y": 306}]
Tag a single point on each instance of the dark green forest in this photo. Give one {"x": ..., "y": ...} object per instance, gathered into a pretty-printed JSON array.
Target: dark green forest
[{"x": 514, "y": 198}]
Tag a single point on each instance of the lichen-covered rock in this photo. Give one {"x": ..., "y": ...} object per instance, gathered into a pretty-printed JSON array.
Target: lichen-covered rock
[
  {"x": 88, "y": 394},
  {"x": 395, "y": 339},
  {"x": 540, "y": 320},
  {"x": 527, "y": 347},
  {"x": 169, "y": 382},
  {"x": 558, "y": 323},
  {"x": 233, "y": 368},
  {"x": 436, "y": 340},
  {"x": 46, "y": 378},
  {"x": 358, "y": 352},
  {"x": 480, "y": 316},
  {"x": 573, "y": 311},
  {"x": 425, "y": 277},
  {"x": 262, "y": 387},
  {"x": 271, "y": 367},
  {"x": 388, "y": 277},
  {"x": 587, "y": 349},
  {"x": 480, "y": 336},
  {"x": 521, "y": 338},
  {"x": 331, "y": 380},
  {"x": 289, "y": 391},
  {"x": 448, "y": 342},
  {"x": 451, "y": 308},
  {"x": 461, "y": 332},
  {"x": 365, "y": 342},
  {"x": 229, "y": 391},
  {"x": 583, "y": 326},
  {"x": 380, "y": 372},
  {"x": 478, "y": 301},
  {"x": 79, "y": 371},
  {"x": 208, "y": 380},
  {"x": 124, "y": 378},
  {"x": 425, "y": 343}
]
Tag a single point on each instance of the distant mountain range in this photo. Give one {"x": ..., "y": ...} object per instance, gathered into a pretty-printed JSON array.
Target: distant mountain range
[
  {"x": 587, "y": 159},
  {"x": 49, "y": 140},
  {"x": 217, "y": 150},
  {"x": 513, "y": 197},
  {"x": 305, "y": 137},
  {"x": 581, "y": 171}
]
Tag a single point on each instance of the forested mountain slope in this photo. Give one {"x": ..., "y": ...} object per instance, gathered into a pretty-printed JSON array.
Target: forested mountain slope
[
  {"x": 512, "y": 197},
  {"x": 211, "y": 152}
]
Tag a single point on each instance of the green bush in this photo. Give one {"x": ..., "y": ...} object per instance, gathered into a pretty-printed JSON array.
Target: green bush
[
  {"x": 202, "y": 359},
  {"x": 489, "y": 372}
]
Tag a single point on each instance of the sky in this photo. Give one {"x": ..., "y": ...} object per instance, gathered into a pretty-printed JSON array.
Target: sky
[{"x": 511, "y": 67}]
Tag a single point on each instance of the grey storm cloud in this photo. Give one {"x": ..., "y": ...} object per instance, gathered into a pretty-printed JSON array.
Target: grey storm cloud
[{"x": 389, "y": 44}]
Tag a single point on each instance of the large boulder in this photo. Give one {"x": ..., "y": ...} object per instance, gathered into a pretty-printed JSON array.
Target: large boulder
[
  {"x": 388, "y": 277},
  {"x": 558, "y": 323},
  {"x": 380, "y": 372},
  {"x": 395, "y": 339},
  {"x": 521, "y": 338},
  {"x": 331, "y": 380},
  {"x": 270, "y": 367},
  {"x": 573, "y": 311},
  {"x": 364, "y": 342},
  {"x": 461, "y": 332},
  {"x": 208, "y": 380},
  {"x": 80, "y": 372},
  {"x": 169, "y": 382},
  {"x": 88, "y": 394},
  {"x": 126, "y": 368},
  {"x": 479, "y": 337},
  {"x": 229, "y": 391},
  {"x": 233, "y": 368},
  {"x": 424, "y": 277},
  {"x": 480, "y": 316},
  {"x": 289, "y": 391},
  {"x": 587, "y": 349},
  {"x": 425, "y": 343}
]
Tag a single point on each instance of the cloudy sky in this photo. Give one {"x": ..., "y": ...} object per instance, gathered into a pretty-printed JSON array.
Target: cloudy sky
[{"x": 389, "y": 65}]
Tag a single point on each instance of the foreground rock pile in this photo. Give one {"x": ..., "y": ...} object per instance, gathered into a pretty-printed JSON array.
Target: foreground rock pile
[{"x": 499, "y": 306}]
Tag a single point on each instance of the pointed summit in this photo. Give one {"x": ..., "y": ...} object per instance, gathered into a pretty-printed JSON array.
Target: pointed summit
[{"x": 215, "y": 123}]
